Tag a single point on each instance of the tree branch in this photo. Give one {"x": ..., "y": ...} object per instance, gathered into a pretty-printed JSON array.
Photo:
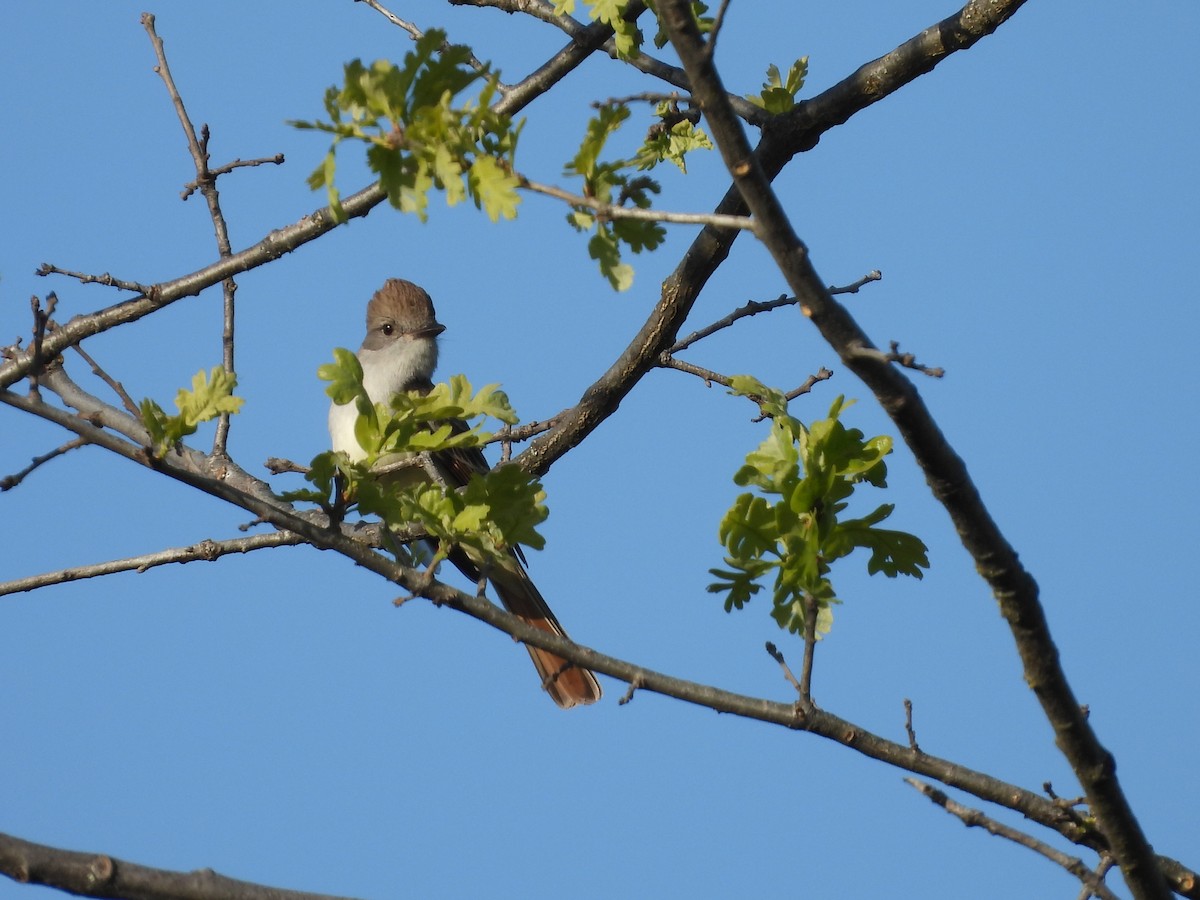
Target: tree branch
[
  {"x": 8, "y": 482},
  {"x": 207, "y": 550},
  {"x": 613, "y": 211},
  {"x": 234, "y": 486},
  {"x": 974, "y": 818},
  {"x": 995, "y": 559},
  {"x": 100, "y": 875},
  {"x": 206, "y": 182}
]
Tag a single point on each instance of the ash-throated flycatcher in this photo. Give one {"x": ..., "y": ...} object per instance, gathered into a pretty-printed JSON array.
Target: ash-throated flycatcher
[{"x": 398, "y": 354}]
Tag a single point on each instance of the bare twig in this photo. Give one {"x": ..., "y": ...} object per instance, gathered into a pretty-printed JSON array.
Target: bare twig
[
  {"x": 192, "y": 186},
  {"x": 206, "y": 550},
  {"x": 974, "y": 818},
  {"x": 754, "y": 307},
  {"x": 907, "y": 360},
  {"x": 908, "y": 726},
  {"x": 105, "y": 279},
  {"x": 644, "y": 97},
  {"x": 206, "y": 182},
  {"x": 718, "y": 20},
  {"x": 416, "y": 34},
  {"x": 786, "y": 669},
  {"x": 8, "y": 482},
  {"x": 811, "y": 609},
  {"x": 278, "y": 466},
  {"x": 41, "y": 321},
  {"x": 118, "y": 388},
  {"x": 612, "y": 211},
  {"x": 709, "y": 377}
]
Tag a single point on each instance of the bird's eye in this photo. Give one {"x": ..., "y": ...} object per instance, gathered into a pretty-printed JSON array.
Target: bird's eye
[{"x": 387, "y": 328}]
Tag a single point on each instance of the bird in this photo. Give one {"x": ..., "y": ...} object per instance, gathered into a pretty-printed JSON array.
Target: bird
[{"x": 400, "y": 353}]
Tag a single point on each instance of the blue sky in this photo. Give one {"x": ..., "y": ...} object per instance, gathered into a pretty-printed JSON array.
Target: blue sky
[{"x": 1031, "y": 204}]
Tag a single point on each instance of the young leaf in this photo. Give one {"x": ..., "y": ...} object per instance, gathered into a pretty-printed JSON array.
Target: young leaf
[
  {"x": 792, "y": 527},
  {"x": 211, "y": 395}
]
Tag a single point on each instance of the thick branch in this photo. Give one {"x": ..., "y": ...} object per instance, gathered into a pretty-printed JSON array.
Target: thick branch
[
  {"x": 100, "y": 875},
  {"x": 191, "y": 467},
  {"x": 783, "y": 137},
  {"x": 995, "y": 559},
  {"x": 273, "y": 246}
]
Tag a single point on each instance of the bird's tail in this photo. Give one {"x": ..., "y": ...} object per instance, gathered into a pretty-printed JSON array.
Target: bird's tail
[{"x": 568, "y": 684}]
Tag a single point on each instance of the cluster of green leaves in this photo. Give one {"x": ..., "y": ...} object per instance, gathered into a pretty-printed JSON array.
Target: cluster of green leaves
[
  {"x": 417, "y": 136},
  {"x": 493, "y": 513},
  {"x": 616, "y": 183},
  {"x": 778, "y": 93},
  {"x": 792, "y": 526},
  {"x": 210, "y": 396},
  {"x": 626, "y": 36},
  {"x": 703, "y": 23}
]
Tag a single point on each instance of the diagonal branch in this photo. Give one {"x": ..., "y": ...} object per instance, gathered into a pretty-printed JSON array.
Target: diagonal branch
[
  {"x": 206, "y": 550},
  {"x": 100, "y": 875},
  {"x": 206, "y": 181},
  {"x": 783, "y": 138},
  {"x": 234, "y": 486},
  {"x": 973, "y": 818},
  {"x": 995, "y": 559}
]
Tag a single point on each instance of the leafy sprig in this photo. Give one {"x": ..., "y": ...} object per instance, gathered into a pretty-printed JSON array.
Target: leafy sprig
[
  {"x": 210, "y": 396},
  {"x": 418, "y": 137},
  {"x": 778, "y": 93},
  {"x": 617, "y": 183},
  {"x": 626, "y": 36},
  {"x": 792, "y": 526}
]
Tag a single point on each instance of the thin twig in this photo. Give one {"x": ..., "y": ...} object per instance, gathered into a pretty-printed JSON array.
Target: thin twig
[
  {"x": 1101, "y": 870},
  {"x": 207, "y": 550},
  {"x": 710, "y": 46},
  {"x": 8, "y": 482},
  {"x": 907, "y": 360},
  {"x": 206, "y": 182},
  {"x": 709, "y": 377},
  {"x": 873, "y": 275},
  {"x": 644, "y": 97},
  {"x": 104, "y": 278},
  {"x": 416, "y": 34},
  {"x": 278, "y": 466},
  {"x": 810, "y": 646},
  {"x": 192, "y": 186},
  {"x": 41, "y": 321},
  {"x": 118, "y": 388},
  {"x": 754, "y": 307},
  {"x": 612, "y": 211},
  {"x": 908, "y": 726},
  {"x": 974, "y": 818},
  {"x": 787, "y": 670}
]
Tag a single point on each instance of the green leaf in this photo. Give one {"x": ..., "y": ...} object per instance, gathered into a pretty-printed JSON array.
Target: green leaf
[
  {"x": 494, "y": 188},
  {"x": 345, "y": 376},
  {"x": 211, "y": 396},
  {"x": 671, "y": 140},
  {"x": 601, "y": 127},
  {"x": 779, "y": 94},
  {"x": 603, "y": 248},
  {"x": 703, "y": 23},
  {"x": 794, "y": 527},
  {"x": 423, "y": 130}
]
